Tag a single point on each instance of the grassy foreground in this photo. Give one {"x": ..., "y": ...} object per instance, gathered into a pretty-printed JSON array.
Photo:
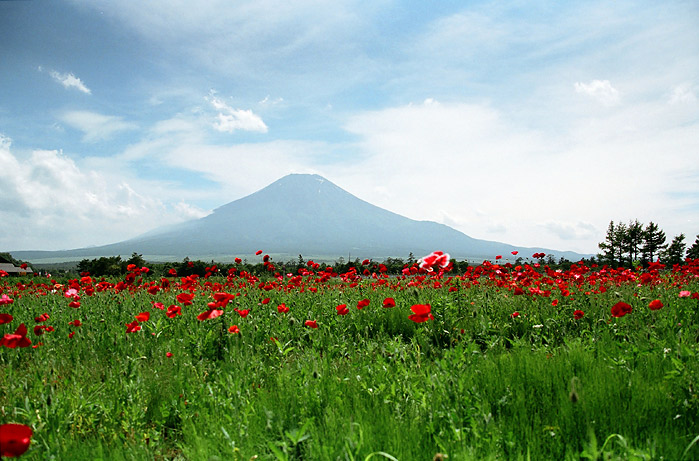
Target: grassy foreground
[{"x": 505, "y": 368}]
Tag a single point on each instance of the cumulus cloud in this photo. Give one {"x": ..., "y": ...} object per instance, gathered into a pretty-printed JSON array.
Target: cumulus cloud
[
  {"x": 47, "y": 201},
  {"x": 70, "y": 81},
  {"x": 683, "y": 94},
  {"x": 601, "y": 90},
  {"x": 96, "y": 127},
  {"x": 230, "y": 119}
]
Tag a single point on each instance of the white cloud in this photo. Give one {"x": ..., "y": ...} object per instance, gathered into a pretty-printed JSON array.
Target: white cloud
[
  {"x": 683, "y": 94},
  {"x": 96, "y": 127},
  {"x": 601, "y": 90},
  {"x": 69, "y": 81},
  {"x": 47, "y": 201},
  {"x": 230, "y": 119}
]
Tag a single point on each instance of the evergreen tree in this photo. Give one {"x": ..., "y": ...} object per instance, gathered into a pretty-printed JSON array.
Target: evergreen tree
[
  {"x": 693, "y": 252},
  {"x": 653, "y": 242},
  {"x": 632, "y": 241},
  {"x": 673, "y": 253},
  {"x": 611, "y": 246}
]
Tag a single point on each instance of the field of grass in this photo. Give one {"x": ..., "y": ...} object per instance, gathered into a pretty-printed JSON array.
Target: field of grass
[{"x": 497, "y": 362}]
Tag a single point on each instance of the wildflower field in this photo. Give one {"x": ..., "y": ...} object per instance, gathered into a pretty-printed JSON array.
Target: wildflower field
[{"x": 493, "y": 362}]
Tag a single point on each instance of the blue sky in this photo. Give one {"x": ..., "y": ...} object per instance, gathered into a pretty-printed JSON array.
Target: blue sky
[{"x": 531, "y": 123}]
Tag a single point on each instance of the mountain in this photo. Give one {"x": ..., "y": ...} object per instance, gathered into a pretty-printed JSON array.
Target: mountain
[{"x": 300, "y": 214}]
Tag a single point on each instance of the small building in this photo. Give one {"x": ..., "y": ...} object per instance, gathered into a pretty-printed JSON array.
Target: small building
[{"x": 11, "y": 269}]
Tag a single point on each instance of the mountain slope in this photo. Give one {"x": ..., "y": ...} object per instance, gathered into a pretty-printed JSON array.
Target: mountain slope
[{"x": 308, "y": 215}]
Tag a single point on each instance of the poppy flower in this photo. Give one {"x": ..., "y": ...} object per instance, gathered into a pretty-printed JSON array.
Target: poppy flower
[
  {"x": 159, "y": 305},
  {"x": 185, "y": 298},
  {"x": 234, "y": 329},
  {"x": 282, "y": 309},
  {"x": 515, "y": 314},
  {"x": 4, "y": 299},
  {"x": 14, "y": 439},
  {"x": 243, "y": 312},
  {"x": 5, "y": 318},
  {"x": 620, "y": 309},
  {"x": 209, "y": 314},
  {"x": 173, "y": 311},
  {"x": 498, "y": 257},
  {"x": 74, "y": 304},
  {"x": 515, "y": 253},
  {"x": 578, "y": 314},
  {"x": 311, "y": 323},
  {"x": 168, "y": 354},
  {"x": 172, "y": 273},
  {"x": 76, "y": 323},
  {"x": 39, "y": 329},
  {"x": 238, "y": 260},
  {"x": 133, "y": 327},
  {"x": 655, "y": 305},
  {"x": 436, "y": 258},
  {"x": 362, "y": 304},
  {"x": 42, "y": 318},
  {"x": 685, "y": 294},
  {"x": 16, "y": 339},
  {"x": 342, "y": 309},
  {"x": 143, "y": 316},
  {"x": 554, "y": 303},
  {"x": 421, "y": 313},
  {"x": 258, "y": 252},
  {"x": 389, "y": 302},
  {"x": 265, "y": 301},
  {"x": 72, "y": 333}
]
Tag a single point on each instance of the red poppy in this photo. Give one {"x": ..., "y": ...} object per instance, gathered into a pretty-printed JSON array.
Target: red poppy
[
  {"x": 185, "y": 298},
  {"x": 72, "y": 333},
  {"x": 172, "y": 273},
  {"x": 282, "y": 309},
  {"x": 14, "y": 439},
  {"x": 498, "y": 257},
  {"x": 75, "y": 322},
  {"x": 173, "y": 311},
  {"x": 554, "y": 303},
  {"x": 168, "y": 354},
  {"x": 362, "y": 304},
  {"x": 578, "y": 314},
  {"x": 389, "y": 302},
  {"x": 421, "y": 313},
  {"x": 39, "y": 329},
  {"x": 265, "y": 301},
  {"x": 515, "y": 252},
  {"x": 16, "y": 339},
  {"x": 4, "y": 299},
  {"x": 655, "y": 305},
  {"x": 42, "y": 318},
  {"x": 258, "y": 252},
  {"x": 685, "y": 294},
  {"x": 133, "y": 327},
  {"x": 223, "y": 298},
  {"x": 143, "y": 316},
  {"x": 209, "y": 314},
  {"x": 620, "y": 309},
  {"x": 74, "y": 304},
  {"x": 5, "y": 318},
  {"x": 243, "y": 312},
  {"x": 515, "y": 314},
  {"x": 436, "y": 258},
  {"x": 342, "y": 309},
  {"x": 518, "y": 291},
  {"x": 311, "y": 323},
  {"x": 238, "y": 260},
  {"x": 234, "y": 329}
]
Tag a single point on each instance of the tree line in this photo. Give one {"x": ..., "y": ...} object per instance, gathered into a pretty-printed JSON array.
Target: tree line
[{"x": 634, "y": 244}]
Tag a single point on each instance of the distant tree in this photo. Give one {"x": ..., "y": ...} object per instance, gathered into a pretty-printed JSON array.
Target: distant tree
[
  {"x": 673, "y": 254},
  {"x": 612, "y": 247},
  {"x": 136, "y": 259},
  {"x": 653, "y": 242},
  {"x": 632, "y": 241},
  {"x": 693, "y": 251}
]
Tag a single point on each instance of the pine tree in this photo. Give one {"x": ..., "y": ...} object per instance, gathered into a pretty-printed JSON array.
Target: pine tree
[
  {"x": 693, "y": 251},
  {"x": 632, "y": 241},
  {"x": 653, "y": 242},
  {"x": 674, "y": 252},
  {"x": 613, "y": 248}
]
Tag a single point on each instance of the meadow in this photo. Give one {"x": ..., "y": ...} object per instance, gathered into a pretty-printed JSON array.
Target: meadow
[{"x": 493, "y": 362}]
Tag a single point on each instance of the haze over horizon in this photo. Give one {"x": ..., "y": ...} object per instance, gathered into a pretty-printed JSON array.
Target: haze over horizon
[{"x": 529, "y": 123}]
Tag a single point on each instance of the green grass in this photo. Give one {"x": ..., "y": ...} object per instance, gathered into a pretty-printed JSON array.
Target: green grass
[{"x": 369, "y": 385}]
